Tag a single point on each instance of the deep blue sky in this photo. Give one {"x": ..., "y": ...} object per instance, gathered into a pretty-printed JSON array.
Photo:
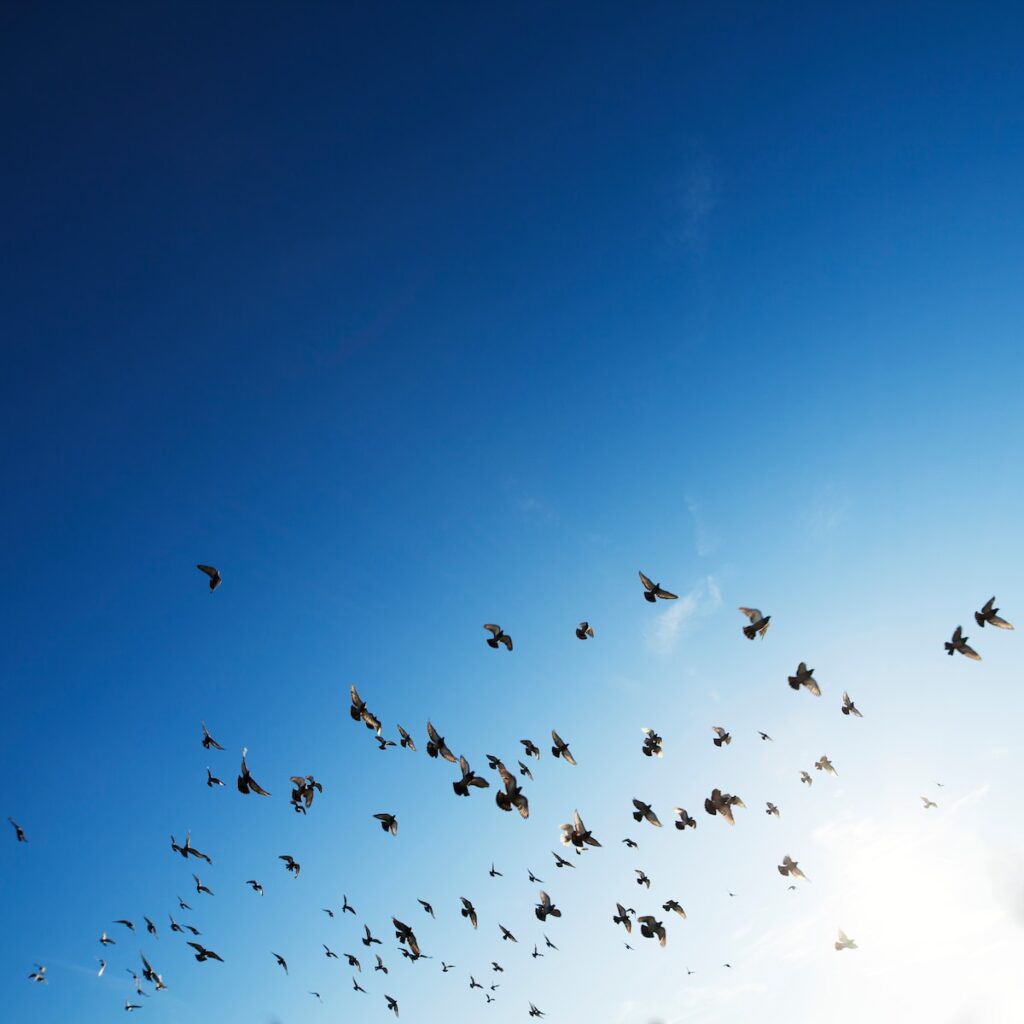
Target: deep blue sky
[{"x": 414, "y": 319}]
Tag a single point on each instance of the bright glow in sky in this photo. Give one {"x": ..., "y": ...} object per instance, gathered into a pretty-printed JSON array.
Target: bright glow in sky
[{"x": 416, "y": 321}]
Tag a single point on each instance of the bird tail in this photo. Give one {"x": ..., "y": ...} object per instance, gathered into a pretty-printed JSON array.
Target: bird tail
[
  {"x": 794, "y": 683},
  {"x": 554, "y": 751},
  {"x": 503, "y": 801},
  {"x": 648, "y": 596},
  {"x": 979, "y": 619},
  {"x": 460, "y": 787},
  {"x": 949, "y": 648},
  {"x": 749, "y": 632},
  {"x": 717, "y": 741},
  {"x": 709, "y": 806},
  {"x": 491, "y": 642}
]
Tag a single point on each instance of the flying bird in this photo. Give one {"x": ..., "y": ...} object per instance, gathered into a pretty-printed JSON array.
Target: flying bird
[
  {"x": 150, "y": 974},
  {"x": 356, "y": 987},
  {"x": 758, "y": 623},
  {"x": 644, "y": 812},
  {"x": 128, "y": 924},
  {"x": 436, "y": 747},
  {"x": 561, "y": 862},
  {"x": 928, "y": 803},
  {"x": 106, "y": 940},
  {"x": 534, "y": 1012},
  {"x": 392, "y": 1003},
  {"x": 281, "y": 962},
  {"x": 641, "y": 878},
  {"x": 674, "y": 907},
  {"x": 212, "y": 780},
  {"x": 426, "y": 906},
  {"x": 346, "y": 907},
  {"x": 130, "y": 1006},
  {"x": 958, "y": 642},
  {"x": 200, "y": 888},
  {"x": 650, "y": 928},
  {"x": 621, "y": 916},
  {"x": 103, "y": 967},
  {"x": 405, "y": 935},
  {"x": 652, "y": 591},
  {"x": 653, "y": 745},
  {"x": 763, "y": 735},
  {"x": 368, "y": 939},
  {"x": 203, "y": 954},
  {"x": 359, "y": 712},
  {"x": 525, "y": 771},
  {"x": 468, "y": 911},
  {"x": 469, "y": 778},
  {"x": 39, "y": 974},
  {"x": 246, "y": 783},
  {"x": 498, "y": 636},
  {"x": 849, "y": 708},
  {"x": 380, "y": 964},
  {"x": 305, "y": 787},
  {"x": 632, "y": 844},
  {"x": 531, "y": 748},
  {"x": 845, "y": 942},
  {"x": 989, "y": 614},
  {"x": 550, "y": 944},
  {"x": 823, "y": 764},
  {"x": 584, "y": 630},
  {"x": 494, "y": 872},
  {"x": 19, "y": 832},
  {"x": 188, "y": 850},
  {"x": 214, "y": 574},
  {"x": 561, "y": 748},
  {"x": 723, "y": 803},
  {"x": 805, "y": 777},
  {"x": 512, "y": 795},
  {"x": 182, "y": 905},
  {"x": 546, "y": 908},
  {"x": 406, "y": 740},
  {"x": 577, "y": 834},
  {"x": 685, "y": 821},
  {"x": 772, "y": 809},
  {"x": 353, "y": 961},
  {"x": 506, "y": 935},
  {"x": 388, "y": 822},
  {"x": 789, "y": 867},
  {"x": 535, "y": 954},
  {"x": 255, "y": 886},
  {"x": 150, "y": 927},
  {"x": 721, "y": 736},
  {"x": 291, "y": 864},
  {"x": 805, "y": 677},
  {"x": 382, "y": 743}
]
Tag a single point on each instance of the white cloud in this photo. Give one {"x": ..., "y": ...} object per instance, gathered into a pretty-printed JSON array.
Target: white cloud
[{"x": 702, "y": 600}]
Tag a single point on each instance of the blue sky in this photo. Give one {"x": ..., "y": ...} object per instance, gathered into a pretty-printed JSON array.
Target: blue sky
[{"x": 414, "y": 320}]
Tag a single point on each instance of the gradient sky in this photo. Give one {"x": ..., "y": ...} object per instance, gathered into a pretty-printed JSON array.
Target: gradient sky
[{"x": 414, "y": 319}]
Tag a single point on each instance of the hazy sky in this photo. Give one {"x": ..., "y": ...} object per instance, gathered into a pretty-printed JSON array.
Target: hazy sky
[{"x": 418, "y": 319}]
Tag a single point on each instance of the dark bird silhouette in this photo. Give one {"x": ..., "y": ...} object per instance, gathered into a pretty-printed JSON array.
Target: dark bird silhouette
[
  {"x": 958, "y": 642},
  {"x": 653, "y": 745},
  {"x": 291, "y": 864},
  {"x": 212, "y": 780},
  {"x": 721, "y": 736},
  {"x": 246, "y": 783},
  {"x": 673, "y": 907},
  {"x": 368, "y": 939},
  {"x": 175, "y": 927},
  {"x": 19, "y": 832},
  {"x": 426, "y": 906},
  {"x": 356, "y": 987},
  {"x": 685, "y": 821},
  {"x": 436, "y": 746},
  {"x": 546, "y": 908},
  {"x": 281, "y": 962},
  {"x": 106, "y": 940},
  {"x": 723, "y": 803},
  {"x": 652, "y": 591},
  {"x": 990, "y": 615},
  {"x": 804, "y": 677},
  {"x": 631, "y": 844},
  {"x": 193, "y": 930},
  {"x": 584, "y": 630},
  {"x": 644, "y": 812},
  {"x": 380, "y": 964},
  {"x": 328, "y": 952},
  {"x": 383, "y": 744},
  {"x": 255, "y": 886},
  {"x": 392, "y": 1003},
  {"x": 561, "y": 862},
  {"x": 346, "y": 907},
  {"x": 202, "y": 953},
  {"x": 208, "y": 740},
  {"x": 849, "y": 708},
  {"x": 406, "y": 740},
  {"x": 469, "y": 778},
  {"x": 577, "y": 834},
  {"x": 496, "y": 967},
  {"x": 511, "y": 796},
  {"x": 550, "y": 944},
  {"x": 316, "y": 996},
  {"x": 188, "y": 850},
  {"x": 182, "y": 905},
  {"x": 533, "y": 877},
  {"x": 214, "y": 574},
  {"x": 525, "y": 771},
  {"x": 495, "y": 873},
  {"x": 789, "y": 868},
  {"x": 772, "y": 809},
  {"x": 650, "y": 929},
  {"x": 535, "y": 954},
  {"x": 534, "y": 1012},
  {"x": 353, "y": 961},
  {"x": 305, "y": 786},
  {"x": 560, "y": 748},
  {"x": 641, "y": 878},
  {"x": 468, "y": 911},
  {"x": 764, "y": 735},
  {"x": 359, "y": 712},
  {"x": 151, "y": 928},
  {"x": 127, "y": 924},
  {"x": 758, "y": 623},
  {"x": 39, "y": 974},
  {"x": 130, "y": 1006},
  {"x": 621, "y": 916},
  {"x": 150, "y": 974},
  {"x": 405, "y": 935},
  {"x": 531, "y": 748},
  {"x": 388, "y": 822},
  {"x": 498, "y": 636},
  {"x": 506, "y": 935},
  {"x": 473, "y": 983},
  {"x": 200, "y": 888}
]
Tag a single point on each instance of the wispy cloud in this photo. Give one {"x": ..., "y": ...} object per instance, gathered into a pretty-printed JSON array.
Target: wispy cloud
[
  {"x": 665, "y": 631},
  {"x": 705, "y": 540}
]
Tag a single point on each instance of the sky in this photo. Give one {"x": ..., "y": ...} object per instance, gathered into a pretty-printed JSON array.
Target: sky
[{"x": 419, "y": 317}]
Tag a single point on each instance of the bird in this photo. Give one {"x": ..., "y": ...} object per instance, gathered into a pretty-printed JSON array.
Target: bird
[
  {"x": 498, "y": 636},
  {"x": 175, "y": 927},
  {"x": 356, "y": 987},
  {"x": 405, "y": 935},
  {"x": 561, "y": 862},
  {"x": 511, "y": 796},
  {"x": 758, "y": 623},
  {"x": 561, "y": 748},
  {"x": 845, "y": 942},
  {"x": 353, "y": 961},
  {"x": 150, "y": 974},
  {"x": 533, "y": 877},
  {"x": 392, "y": 1003},
  {"x": 328, "y": 912},
  {"x": 641, "y": 878},
  {"x": 496, "y": 967},
  {"x": 316, "y": 995},
  {"x": 426, "y": 906},
  {"x": 203, "y": 954},
  {"x": 721, "y": 736},
  {"x": 531, "y": 748},
  {"x": 136, "y": 981},
  {"x": 281, "y": 962},
  {"x": 525, "y": 771},
  {"x": 631, "y": 844},
  {"x": 849, "y": 708},
  {"x": 468, "y": 911},
  {"x": 823, "y": 764},
  {"x": 150, "y": 927},
  {"x": 212, "y": 780},
  {"x": 805, "y": 777},
  {"x": 128, "y": 924},
  {"x": 388, "y": 822},
  {"x": 130, "y": 1006},
  {"x": 39, "y": 974},
  {"x": 188, "y": 850},
  {"x": 208, "y": 740},
  {"x": 805, "y": 677},
  {"x": 685, "y": 821},
  {"x": 214, "y": 574},
  {"x": 494, "y": 873},
  {"x": 644, "y": 812},
  {"x": 650, "y": 928},
  {"x": 346, "y": 907},
  {"x": 546, "y": 908},
  {"x": 193, "y": 930},
  {"x": 550, "y": 944},
  {"x": 382, "y": 743},
  {"x": 106, "y": 940},
  {"x": 406, "y": 740},
  {"x": 584, "y": 630},
  {"x": 958, "y": 642},
  {"x": 674, "y": 907},
  {"x": 200, "y": 888},
  {"x": 290, "y": 864},
  {"x": 928, "y": 803},
  {"x": 19, "y": 832},
  {"x": 103, "y": 967},
  {"x": 536, "y": 955},
  {"x": 653, "y": 745},
  {"x": 368, "y": 939},
  {"x": 436, "y": 747},
  {"x": 305, "y": 787},
  {"x": 621, "y": 916},
  {"x": 380, "y": 964},
  {"x": 506, "y": 935},
  {"x": 988, "y": 614},
  {"x": 359, "y": 712},
  {"x": 255, "y": 886},
  {"x": 652, "y": 591},
  {"x": 534, "y": 1012},
  {"x": 469, "y": 778},
  {"x": 789, "y": 867},
  {"x": 182, "y": 905},
  {"x": 723, "y": 803},
  {"x": 764, "y": 735},
  {"x": 445, "y": 968},
  {"x": 772, "y": 809},
  {"x": 246, "y": 783},
  {"x": 577, "y": 834}
]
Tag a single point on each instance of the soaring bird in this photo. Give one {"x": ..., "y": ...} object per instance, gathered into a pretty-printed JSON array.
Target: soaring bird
[
  {"x": 584, "y": 630},
  {"x": 534, "y": 1012},
  {"x": 436, "y": 746},
  {"x": 506, "y": 935},
  {"x": 789, "y": 867},
  {"x": 211, "y": 779},
  {"x": 202, "y": 953},
  {"x": 150, "y": 974},
  {"x": 388, "y": 822},
  {"x": 468, "y": 911},
  {"x": 805, "y": 777},
  {"x": 368, "y": 939},
  {"x": 382, "y": 743},
  {"x": 353, "y": 961},
  {"x": 723, "y": 803},
  {"x": 535, "y": 954},
  {"x": 426, "y": 906},
  {"x": 130, "y": 1006},
  {"x": 849, "y": 708},
  {"x": 845, "y": 942},
  {"x": 39, "y": 974},
  {"x": 577, "y": 834},
  {"x": 281, "y": 962},
  {"x": 445, "y": 968},
  {"x": 525, "y": 771},
  {"x": 805, "y": 677},
  {"x": 182, "y": 905},
  {"x": 346, "y": 907},
  {"x": 764, "y": 735},
  {"x": 498, "y": 636},
  {"x": 650, "y": 928},
  {"x": 469, "y": 778},
  {"x": 685, "y": 821},
  {"x": 380, "y": 964},
  {"x": 473, "y": 983},
  {"x": 772, "y": 809},
  {"x": 305, "y": 787},
  {"x": 631, "y": 844},
  {"x": 560, "y": 748},
  {"x": 406, "y": 740},
  {"x": 652, "y": 591},
  {"x": 531, "y": 748},
  {"x": 128, "y": 924},
  {"x": 188, "y": 850},
  {"x": 246, "y": 783},
  {"x": 644, "y": 812},
  {"x": 150, "y": 927},
  {"x": 622, "y": 917},
  {"x": 823, "y": 764},
  {"x": 549, "y": 944},
  {"x": 721, "y": 736},
  {"x": 175, "y": 927},
  {"x": 928, "y": 803},
  {"x": 359, "y": 712},
  {"x": 356, "y": 987},
  {"x": 200, "y": 888},
  {"x": 674, "y": 907},
  {"x": 958, "y": 642},
  {"x": 641, "y": 878},
  {"x": 214, "y": 574},
  {"x": 758, "y": 623},
  {"x": 106, "y": 940},
  {"x": 405, "y": 935},
  {"x": 494, "y": 872},
  {"x": 103, "y": 966},
  {"x": 989, "y": 614},
  {"x": 291, "y": 864},
  {"x": 653, "y": 745},
  {"x": 208, "y": 740},
  {"x": 511, "y": 796},
  {"x": 546, "y": 908},
  {"x": 255, "y": 886},
  {"x": 392, "y": 1003},
  {"x": 561, "y": 862}
]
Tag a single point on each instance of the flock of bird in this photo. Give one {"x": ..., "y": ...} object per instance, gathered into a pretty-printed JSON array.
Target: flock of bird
[{"x": 574, "y": 835}]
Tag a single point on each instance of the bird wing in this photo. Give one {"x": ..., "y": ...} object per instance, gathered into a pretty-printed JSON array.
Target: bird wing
[
  {"x": 752, "y": 613},
  {"x": 648, "y": 584},
  {"x": 209, "y": 570},
  {"x": 494, "y": 630}
]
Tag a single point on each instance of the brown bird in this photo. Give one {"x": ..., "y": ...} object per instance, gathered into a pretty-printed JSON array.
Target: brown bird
[
  {"x": 989, "y": 614},
  {"x": 577, "y": 834},
  {"x": 468, "y": 911},
  {"x": 512, "y": 795},
  {"x": 246, "y": 783},
  {"x": 723, "y": 803},
  {"x": 406, "y": 740},
  {"x": 825, "y": 765},
  {"x": 208, "y": 740},
  {"x": 958, "y": 642},
  {"x": 673, "y": 907},
  {"x": 721, "y": 736},
  {"x": 652, "y": 591},
  {"x": 928, "y": 803},
  {"x": 561, "y": 748},
  {"x": 805, "y": 777},
  {"x": 305, "y": 787},
  {"x": 622, "y": 917},
  {"x": 644, "y": 812},
  {"x": 388, "y": 822},
  {"x": 204, "y": 954},
  {"x": 506, "y": 935},
  {"x": 685, "y": 821},
  {"x": 805, "y": 677},
  {"x": 758, "y": 623},
  {"x": 584, "y": 630},
  {"x": 546, "y": 908},
  {"x": 525, "y": 771},
  {"x": 849, "y": 708},
  {"x": 772, "y": 809},
  {"x": 641, "y": 878},
  {"x": 188, "y": 850},
  {"x": 789, "y": 867},
  {"x": 436, "y": 746},
  {"x": 359, "y": 712},
  {"x": 845, "y": 942},
  {"x": 650, "y": 928},
  {"x": 214, "y": 574},
  {"x": 405, "y": 935},
  {"x": 498, "y": 636},
  {"x": 532, "y": 750}
]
